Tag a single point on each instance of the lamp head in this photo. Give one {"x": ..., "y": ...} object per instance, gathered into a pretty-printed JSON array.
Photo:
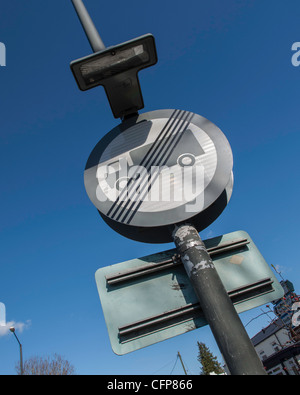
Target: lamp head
[{"x": 116, "y": 69}]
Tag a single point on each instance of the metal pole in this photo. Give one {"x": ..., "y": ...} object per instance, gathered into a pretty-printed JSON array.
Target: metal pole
[
  {"x": 88, "y": 26},
  {"x": 183, "y": 367},
  {"x": 227, "y": 328},
  {"x": 21, "y": 360},
  {"x": 21, "y": 353}
]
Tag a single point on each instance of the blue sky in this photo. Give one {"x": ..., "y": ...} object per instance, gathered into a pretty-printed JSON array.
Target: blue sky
[{"x": 227, "y": 60}]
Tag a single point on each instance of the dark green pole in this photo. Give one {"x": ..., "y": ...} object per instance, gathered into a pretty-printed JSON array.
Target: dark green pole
[
  {"x": 227, "y": 328},
  {"x": 12, "y": 329}
]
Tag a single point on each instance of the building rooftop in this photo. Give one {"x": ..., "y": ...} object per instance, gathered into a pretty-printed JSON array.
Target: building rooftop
[{"x": 267, "y": 332}]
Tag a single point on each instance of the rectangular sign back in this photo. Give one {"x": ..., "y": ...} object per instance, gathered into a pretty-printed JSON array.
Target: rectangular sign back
[{"x": 150, "y": 299}]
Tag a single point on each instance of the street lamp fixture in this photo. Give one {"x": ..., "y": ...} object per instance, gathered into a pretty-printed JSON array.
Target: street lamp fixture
[
  {"x": 13, "y": 330},
  {"x": 116, "y": 68}
]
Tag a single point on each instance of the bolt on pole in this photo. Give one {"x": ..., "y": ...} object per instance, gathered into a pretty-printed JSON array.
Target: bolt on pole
[{"x": 227, "y": 328}]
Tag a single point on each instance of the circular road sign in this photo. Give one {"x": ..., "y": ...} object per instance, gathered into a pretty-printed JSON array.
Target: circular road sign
[{"x": 159, "y": 169}]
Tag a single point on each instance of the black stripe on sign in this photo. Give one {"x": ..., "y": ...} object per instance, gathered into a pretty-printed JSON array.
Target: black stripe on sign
[
  {"x": 161, "y": 148},
  {"x": 114, "y": 208},
  {"x": 164, "y": 158}
]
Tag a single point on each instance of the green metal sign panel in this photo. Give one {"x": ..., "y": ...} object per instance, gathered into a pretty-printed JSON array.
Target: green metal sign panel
[{"x": 150, "y": 299}]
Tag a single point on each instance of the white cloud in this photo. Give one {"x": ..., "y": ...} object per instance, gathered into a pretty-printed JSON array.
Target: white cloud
[{"x": 19, "y": 326}]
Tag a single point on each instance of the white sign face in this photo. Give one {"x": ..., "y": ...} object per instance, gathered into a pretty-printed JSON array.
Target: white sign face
[
  {"x": 164, "y": 167},
  {"x": 161, "y": 174}
]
